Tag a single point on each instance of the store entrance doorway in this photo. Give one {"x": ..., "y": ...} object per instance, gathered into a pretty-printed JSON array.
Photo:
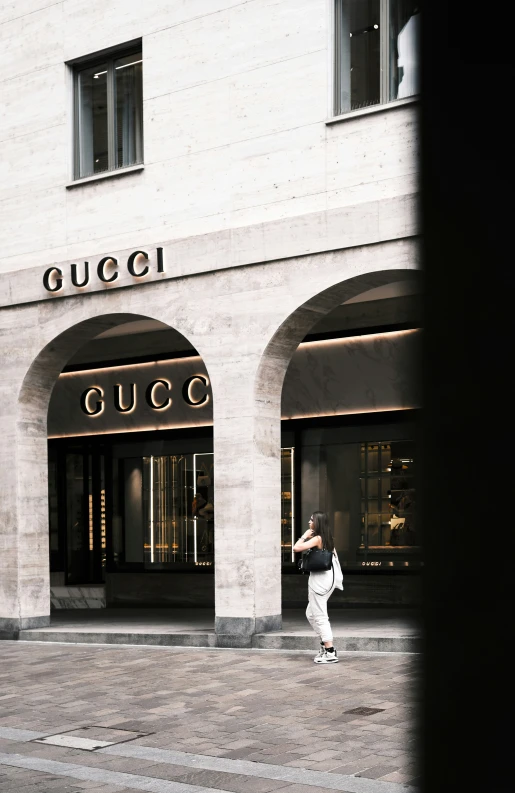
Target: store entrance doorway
[{"x": 80, "y": 497}]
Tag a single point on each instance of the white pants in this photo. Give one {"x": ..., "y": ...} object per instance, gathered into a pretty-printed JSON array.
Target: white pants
[{"x": 316, "y": 611}]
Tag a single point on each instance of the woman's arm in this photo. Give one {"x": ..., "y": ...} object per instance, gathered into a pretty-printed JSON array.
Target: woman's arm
[{"x": 305, "y": 543}]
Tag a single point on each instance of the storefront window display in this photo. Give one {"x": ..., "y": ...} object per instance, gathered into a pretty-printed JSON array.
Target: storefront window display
[
  {"x": 165, "y": 508},
  {"x": 164, "y": 514},
  {"x": 387, "y": 495},
  {"x": 166, "y": 511},
  {"x": 121, "y": 508},
  {"x": 287, "y": 505},
  {"x": 367, "y": 487}
]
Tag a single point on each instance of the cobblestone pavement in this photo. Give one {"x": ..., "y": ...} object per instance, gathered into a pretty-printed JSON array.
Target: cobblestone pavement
[{"x": 185, "y": 721}]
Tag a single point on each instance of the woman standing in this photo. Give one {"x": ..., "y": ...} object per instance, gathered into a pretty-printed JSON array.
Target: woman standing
[{"x": 321, "y": 585}]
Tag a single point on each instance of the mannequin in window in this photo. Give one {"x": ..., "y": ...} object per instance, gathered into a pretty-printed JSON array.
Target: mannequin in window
[
  {"x": 198, "y": 503},
  {"x": 408, "y": 44}
]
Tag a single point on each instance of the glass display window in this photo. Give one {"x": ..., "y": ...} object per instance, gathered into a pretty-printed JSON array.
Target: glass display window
[
  {"x": 203, "y": 510},
  {"x": 367, "y": 487},
  {"x": 287, "y": 505},
  {"x": 151, "y": 512},
  {"x": 119, "y": 509},
  {"x": 388, "y": 495},
  {"x": 177, "y": 511}
]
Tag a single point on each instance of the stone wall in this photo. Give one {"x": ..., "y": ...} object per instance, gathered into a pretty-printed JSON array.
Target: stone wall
[
  {"x": 183, "y": 590},
  {"x": 237, "y": 105}
]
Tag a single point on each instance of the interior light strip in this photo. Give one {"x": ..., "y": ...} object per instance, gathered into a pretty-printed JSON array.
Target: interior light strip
[
  {"x": 119, "y": 366},
  {"x": 122, "y": 430},
  {"x": 194, "y": 517},
  {"x": 125, "y": 65},
  {"x": 292, "y": 504},
  {"x": 362, "y": 338},
  {"x": 151, "y": 508},
  {"x": 349, "y": 412}
]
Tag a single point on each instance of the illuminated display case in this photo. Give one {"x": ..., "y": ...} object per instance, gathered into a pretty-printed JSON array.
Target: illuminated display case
[
  {"x": 388, "y": 498},
  {"x": 287, "y": 505},
  {"x": 178, "y": 510}
]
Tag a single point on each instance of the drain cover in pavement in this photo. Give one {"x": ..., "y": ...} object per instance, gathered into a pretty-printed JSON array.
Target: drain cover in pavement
[
  {"x": 90, "y": 738},
  {"x": 365, "y": 711}
]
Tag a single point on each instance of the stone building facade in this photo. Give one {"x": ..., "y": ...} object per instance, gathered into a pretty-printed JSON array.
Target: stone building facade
[{"x": 238, "y": 216}]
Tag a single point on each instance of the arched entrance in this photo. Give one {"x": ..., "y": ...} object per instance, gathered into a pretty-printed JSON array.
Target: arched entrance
[
  {"x": 306, "y": 387},
  {"x": 74, "y": 393}
]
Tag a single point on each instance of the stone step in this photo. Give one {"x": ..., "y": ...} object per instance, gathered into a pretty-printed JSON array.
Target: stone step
[{"x": 261, "y": 641}]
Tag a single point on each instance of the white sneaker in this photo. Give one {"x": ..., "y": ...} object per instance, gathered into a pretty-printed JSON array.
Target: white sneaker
[
  {"x": 320, "y": 653},
  {"x": 327, "y": 657}
]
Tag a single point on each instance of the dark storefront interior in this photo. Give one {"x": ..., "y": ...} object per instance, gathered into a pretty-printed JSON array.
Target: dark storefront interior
[
  {"x": 124, "y": 506},
  {"x": 134, "y": 504}
]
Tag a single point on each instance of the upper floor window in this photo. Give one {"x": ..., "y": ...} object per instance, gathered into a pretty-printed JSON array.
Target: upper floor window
[
  {"x": 108, "y": 113},
  {"x": 377, "y": 52}
]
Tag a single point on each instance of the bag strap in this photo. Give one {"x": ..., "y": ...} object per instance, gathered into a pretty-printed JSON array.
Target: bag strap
[{"x": 326, "y": 593}]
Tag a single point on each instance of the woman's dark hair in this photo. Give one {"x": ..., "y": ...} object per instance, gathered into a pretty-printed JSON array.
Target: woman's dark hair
[{"x": 321, "y": 527}]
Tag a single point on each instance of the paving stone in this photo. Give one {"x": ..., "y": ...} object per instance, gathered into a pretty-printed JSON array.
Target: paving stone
[
  {"x": 355, "y": 766},
  {"x": 230, "y": 704},
  {"x": 325, "y": 754},
  {"x": 376, "y": 772},
  {"x": 237, "y": 754},
  {"x": 217, "y": 753},
  {"x": 276, "y": 759}
]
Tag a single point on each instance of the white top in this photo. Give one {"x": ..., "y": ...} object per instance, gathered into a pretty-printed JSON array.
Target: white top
[{"x": 322, "y": 583}]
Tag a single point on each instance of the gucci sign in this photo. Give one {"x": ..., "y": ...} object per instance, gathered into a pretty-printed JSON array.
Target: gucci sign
[
  {"x": 107, "y": 270},
  {"x": 158, "y": 396}
]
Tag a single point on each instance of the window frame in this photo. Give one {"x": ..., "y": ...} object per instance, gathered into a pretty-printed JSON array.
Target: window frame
[
  {"x": 107, "y": 57},
  {"x": 384, "y": 61}
]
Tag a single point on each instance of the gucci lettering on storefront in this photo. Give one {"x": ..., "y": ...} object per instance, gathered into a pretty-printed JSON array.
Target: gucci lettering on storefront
[
  {"x": 158, "y": 396},
  {"x": 164, "y": 394},
  {"x": 106, "y": 271}
]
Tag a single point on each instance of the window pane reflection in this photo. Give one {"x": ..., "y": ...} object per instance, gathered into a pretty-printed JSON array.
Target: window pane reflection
[
  {"x": 129, "y": 110},
  {"x": 364, "y": 53},
  {"x": 92, "y": 112}
]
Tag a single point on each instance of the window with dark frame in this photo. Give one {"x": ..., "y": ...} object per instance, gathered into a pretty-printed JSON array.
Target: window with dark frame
[
  {"x": 377, "y": 52},
  {"x": 108, "y": 113}
]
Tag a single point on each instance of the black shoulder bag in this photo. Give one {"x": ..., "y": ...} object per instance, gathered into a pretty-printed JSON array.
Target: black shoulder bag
[{"x": 316, "y": 560}]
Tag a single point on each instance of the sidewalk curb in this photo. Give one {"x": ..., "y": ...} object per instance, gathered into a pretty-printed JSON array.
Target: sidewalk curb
[{"x": 260, "y": 641}]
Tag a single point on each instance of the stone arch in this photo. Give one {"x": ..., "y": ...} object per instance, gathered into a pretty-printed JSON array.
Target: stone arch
[
  {"x": 24, "y": 579},
  {"x": 287, "y": 337},
  {"x": 264, "y": 436}
]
